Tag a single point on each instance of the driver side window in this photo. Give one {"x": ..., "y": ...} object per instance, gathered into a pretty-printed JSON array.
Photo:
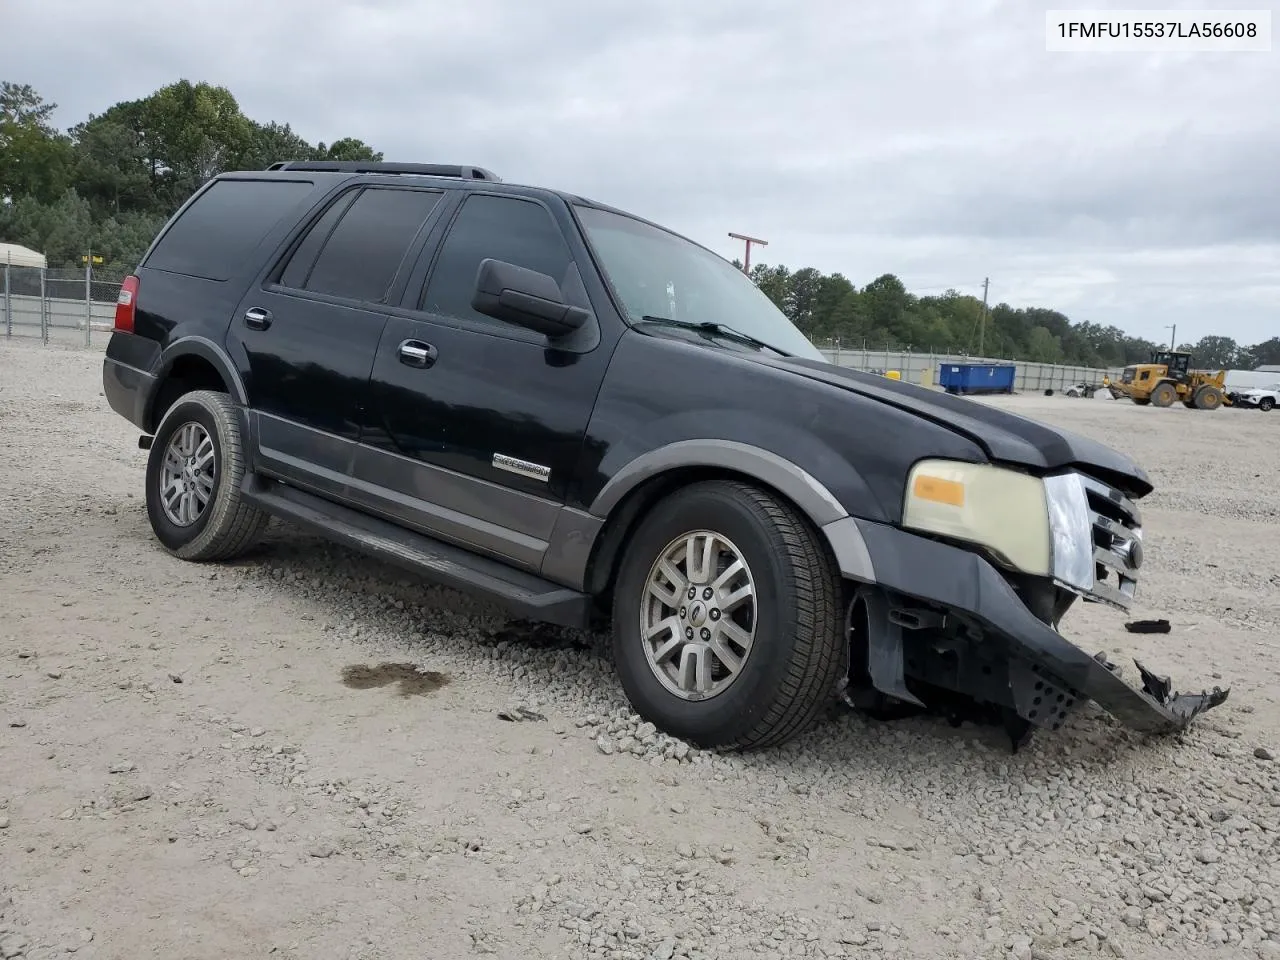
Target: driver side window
[{"x": 513, "y": 229}]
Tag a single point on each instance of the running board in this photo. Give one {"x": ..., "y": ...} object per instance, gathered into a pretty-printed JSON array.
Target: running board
[{"x": 523, "y": 593}]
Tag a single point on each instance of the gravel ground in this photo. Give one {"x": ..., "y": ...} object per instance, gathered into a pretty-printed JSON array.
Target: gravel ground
[{"x": 213, "y": 761}]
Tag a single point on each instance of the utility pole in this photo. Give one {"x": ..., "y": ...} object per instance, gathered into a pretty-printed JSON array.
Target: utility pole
[
  {"x": 1173, "y": 337},
  {"x": 982, "y": 322},
  {"x": 746, "y": 260}
]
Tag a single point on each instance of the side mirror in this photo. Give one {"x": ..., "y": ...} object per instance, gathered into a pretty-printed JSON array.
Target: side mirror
[{"x": 526, "y": 298}]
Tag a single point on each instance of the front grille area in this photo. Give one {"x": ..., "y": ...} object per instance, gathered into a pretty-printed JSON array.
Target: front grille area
[{"x": 1117, "y": 544}]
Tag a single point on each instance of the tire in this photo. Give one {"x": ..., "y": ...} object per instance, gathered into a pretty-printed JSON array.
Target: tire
[
  {"x": 797, "y": 650},
  {"x": 225, "y": 526},
  {"x": 1164, "y": 395},
  {"x": 1265, "y": 404},
  {"x": 1208, "y": 397}
]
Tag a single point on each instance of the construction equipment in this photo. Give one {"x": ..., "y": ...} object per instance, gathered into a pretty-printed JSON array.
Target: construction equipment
[{"x": 1169, "y": 378}]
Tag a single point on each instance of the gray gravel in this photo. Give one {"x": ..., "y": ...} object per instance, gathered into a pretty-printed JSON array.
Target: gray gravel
[{"x": 573, "y": 829}]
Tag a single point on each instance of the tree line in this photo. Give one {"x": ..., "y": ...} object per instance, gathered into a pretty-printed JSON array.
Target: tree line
[
  {"x": 884, "y": 315},
  {"x": 106, "y": 186}
]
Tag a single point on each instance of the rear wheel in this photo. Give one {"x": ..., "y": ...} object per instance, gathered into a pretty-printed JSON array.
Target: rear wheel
[
  {"x": 1164, "y": 395},
  {"x": 726, "y": 628},
  {"x": 1208, "y": 397},
  {"x": 193, "y": 481}
]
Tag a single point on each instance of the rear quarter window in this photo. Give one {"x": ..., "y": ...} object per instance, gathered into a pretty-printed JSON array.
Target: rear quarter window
[{"x": 216, "y": 234}]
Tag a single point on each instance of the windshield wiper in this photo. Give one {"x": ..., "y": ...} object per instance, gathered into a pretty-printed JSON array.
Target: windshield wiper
[{"x": 719, "y": 329}]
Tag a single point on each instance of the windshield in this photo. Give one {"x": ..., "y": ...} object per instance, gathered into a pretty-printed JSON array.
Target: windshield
[{"x": 658, "y": 274}]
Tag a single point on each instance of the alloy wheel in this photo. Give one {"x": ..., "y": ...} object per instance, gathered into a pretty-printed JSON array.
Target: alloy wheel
[
  {"x": 698, "y": 616},
  {"x": 187, "y": 475}
]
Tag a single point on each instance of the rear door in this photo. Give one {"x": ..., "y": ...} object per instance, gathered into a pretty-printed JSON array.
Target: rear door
[{"x": 307, "y": 331}]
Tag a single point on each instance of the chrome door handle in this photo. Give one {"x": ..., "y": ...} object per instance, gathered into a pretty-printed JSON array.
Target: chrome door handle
[
  {"x": 415, "y": 353},
  {"x": 255, "y": 318}
]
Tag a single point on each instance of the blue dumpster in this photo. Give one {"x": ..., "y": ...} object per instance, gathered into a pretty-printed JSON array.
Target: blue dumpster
[{"x": 977, "y": 377}]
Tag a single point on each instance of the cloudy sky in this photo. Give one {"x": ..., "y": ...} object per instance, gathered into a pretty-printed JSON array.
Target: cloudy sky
[{"x": 934, "y": 139}]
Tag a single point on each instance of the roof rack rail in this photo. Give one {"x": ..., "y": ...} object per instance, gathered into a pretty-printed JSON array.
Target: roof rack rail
[{"x": 459, "y": 171}]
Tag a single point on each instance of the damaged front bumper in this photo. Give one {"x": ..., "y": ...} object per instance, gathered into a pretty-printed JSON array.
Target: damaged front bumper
[{"x": 944, "y": 618}]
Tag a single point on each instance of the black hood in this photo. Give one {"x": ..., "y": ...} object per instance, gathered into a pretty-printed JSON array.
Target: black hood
[{"x": 1006, "y": 437}]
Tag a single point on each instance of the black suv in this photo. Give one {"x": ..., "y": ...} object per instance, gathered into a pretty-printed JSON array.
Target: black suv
[{"x": 578, "y": 413}]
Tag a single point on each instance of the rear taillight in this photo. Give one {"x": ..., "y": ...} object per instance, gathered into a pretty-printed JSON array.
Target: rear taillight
[{"x": 126, "y": 304}]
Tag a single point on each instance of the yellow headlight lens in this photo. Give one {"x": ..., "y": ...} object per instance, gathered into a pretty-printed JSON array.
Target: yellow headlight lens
[{"x": 1000, "y": 509}]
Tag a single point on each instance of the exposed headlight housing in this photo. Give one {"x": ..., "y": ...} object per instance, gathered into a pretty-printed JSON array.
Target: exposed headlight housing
[{"x": 1041, "y": 527}]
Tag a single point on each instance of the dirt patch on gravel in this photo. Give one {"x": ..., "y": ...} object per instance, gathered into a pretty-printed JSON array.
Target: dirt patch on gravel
[
  {"x": 261, "y": 807},
  {"x": 410, "y": 681}
]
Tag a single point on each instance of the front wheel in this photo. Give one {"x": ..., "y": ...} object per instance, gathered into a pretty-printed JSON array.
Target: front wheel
[
  {"x": 193, "y": 481},
  {"x": 1266, "y": 403},
  {"x": 1164, "y": 394},
  {"x": 1208, "y": 397},
  {"x": 726, "y": 629}
]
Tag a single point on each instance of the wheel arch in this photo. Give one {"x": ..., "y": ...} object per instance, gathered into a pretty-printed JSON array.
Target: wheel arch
[
  {"x": 629, "y": 496},
  {"x": 191, "y": 363}
]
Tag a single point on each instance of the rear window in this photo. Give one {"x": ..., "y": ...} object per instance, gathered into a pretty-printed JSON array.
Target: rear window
[
  {"x": 361, "y": 255},
  {"x": 217, "y": 232}
]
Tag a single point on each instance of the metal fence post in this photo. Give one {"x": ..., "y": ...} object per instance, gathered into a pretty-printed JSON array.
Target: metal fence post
[
  {"x": 88, "y": 302},
  {"x": 44, "y": 309},
  {"x": 8, "y": 302}
]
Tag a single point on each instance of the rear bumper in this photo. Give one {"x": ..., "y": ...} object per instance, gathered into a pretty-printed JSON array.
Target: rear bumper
[
  {"x": 128, "y": 391},
  {"x": 965, "y": 584}
]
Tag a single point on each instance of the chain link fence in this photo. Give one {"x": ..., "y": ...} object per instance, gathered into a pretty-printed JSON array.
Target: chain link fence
[
  {"x": 925, "y": 368},
  {"x": 56, "y": 304}
]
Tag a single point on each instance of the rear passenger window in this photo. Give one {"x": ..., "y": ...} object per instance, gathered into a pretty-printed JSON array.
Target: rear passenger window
[
  {"x": 360, "y": 244},
  {"x": 222, "y": 227},
  {"x": 304, "y": 257},
  {"x": 504, "y": 228}
]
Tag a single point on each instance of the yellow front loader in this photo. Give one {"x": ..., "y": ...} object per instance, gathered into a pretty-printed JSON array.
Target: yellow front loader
[{"x": 1167, "y": 379}]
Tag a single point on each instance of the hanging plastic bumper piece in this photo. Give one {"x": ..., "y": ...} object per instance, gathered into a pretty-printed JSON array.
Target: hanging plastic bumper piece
[{"x": 1092, "y": 544}]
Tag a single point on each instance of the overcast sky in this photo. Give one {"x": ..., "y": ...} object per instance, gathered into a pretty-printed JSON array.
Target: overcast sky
[{"x": 934, "y": 139}]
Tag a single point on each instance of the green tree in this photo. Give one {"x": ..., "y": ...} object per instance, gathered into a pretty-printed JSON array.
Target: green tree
[
  {"x": 348, "y": 148},
  {"x": 34, "y": 157},
  {"x": 1043, "y": 346},
  {"x": 196, "y": 131},
  {"x": 110, "y": 168},
  {"x": 886, "y": 300},
  {"x": 774, "y": 282},
  {"x": 801, "y": 299},
  {"x": 272, "y": 142},
  {"x": 1217, "y": 353},
  {"x": 1264, "y": 354}
]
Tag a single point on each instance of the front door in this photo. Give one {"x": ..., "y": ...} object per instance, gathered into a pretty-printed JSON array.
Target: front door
[
  {"x": 307, "y": 332},
  {"x": 480, "y": 423}
]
